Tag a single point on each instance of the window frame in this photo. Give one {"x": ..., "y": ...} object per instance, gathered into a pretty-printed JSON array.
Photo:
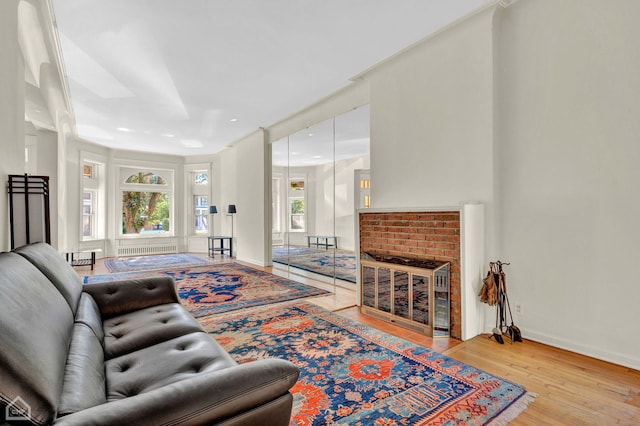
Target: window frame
[
  {"x": 167, "y": 175},
  {"x": 297, "y": 192},
  {"x": 94, "y": 184},
  {"x": 93, "y": 196}
]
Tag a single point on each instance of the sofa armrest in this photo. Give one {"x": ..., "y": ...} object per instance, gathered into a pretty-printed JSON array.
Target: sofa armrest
[
  {"x": 203, "y": 399},
  {"x": 121, "y": 297}
]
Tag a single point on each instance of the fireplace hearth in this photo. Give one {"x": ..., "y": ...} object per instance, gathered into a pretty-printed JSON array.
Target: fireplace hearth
[{"x": 412, "y": 252}]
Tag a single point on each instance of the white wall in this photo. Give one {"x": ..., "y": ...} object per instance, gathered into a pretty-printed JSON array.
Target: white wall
[
  {"x": 253, "y": 220},
  {"x": 569, "y": 145},
  {"x": 432, "y": 134},
  {"x": 11, "y": 108},
  {"x": 543, "y": 130},
  {"x": 561, "y": 198},
  {"x": 432, "y": 121},
  {"x": 47, "y": 165},
  {"x": 338, "y": 184}
]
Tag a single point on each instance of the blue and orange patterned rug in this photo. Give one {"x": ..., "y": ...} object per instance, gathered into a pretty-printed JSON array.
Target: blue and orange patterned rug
[
  {"x": 352, "y": 374},
  {"x": 224, "y": 287},
  {"x": 342, "y": 263},
  {"x": 144, "y": 263}
]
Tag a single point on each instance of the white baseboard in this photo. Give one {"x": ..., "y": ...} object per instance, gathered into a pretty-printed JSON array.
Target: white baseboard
[
  {"x": 252, "y": 261},
  {"x": 590, "y": 351}
]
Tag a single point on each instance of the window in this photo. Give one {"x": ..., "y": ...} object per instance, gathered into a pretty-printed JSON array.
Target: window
[
  {"x": 87, "y": 171},
  {"x": 88, "y": 214},
  {"x": 297, "y": 214},
  {"x": 275, "y": 205},
  {"x": 296, "y": 184},
  {"x": 201, "y": 205},
  {"x": 93, "y": 200},
  {"x": 297, "y": 197},
  {"x": 146, "y": 204},
  {"x": 201, "y": 178}
]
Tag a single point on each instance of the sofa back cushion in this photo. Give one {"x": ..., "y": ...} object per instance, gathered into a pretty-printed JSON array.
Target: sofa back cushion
[
  {"x": 60, "y": 273},
  {"x": 35, "y": 331}
]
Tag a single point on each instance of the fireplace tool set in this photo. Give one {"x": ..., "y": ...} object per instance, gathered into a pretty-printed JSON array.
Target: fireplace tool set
[{"x": 494, "y": 293}]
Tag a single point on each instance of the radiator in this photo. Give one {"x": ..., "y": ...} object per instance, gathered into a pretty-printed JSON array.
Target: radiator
[{"x": 144, "y": 249}]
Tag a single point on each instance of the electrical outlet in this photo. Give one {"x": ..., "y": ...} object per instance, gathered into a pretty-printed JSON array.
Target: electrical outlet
[{"x": 519, "y": 309}]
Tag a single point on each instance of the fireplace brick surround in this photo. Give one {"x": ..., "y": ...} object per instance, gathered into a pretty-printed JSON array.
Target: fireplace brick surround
[{"x": 419, "y": 235}]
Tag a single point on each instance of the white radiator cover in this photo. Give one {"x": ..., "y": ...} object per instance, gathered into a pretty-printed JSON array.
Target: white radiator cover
[{"x": 139, "y": 247}]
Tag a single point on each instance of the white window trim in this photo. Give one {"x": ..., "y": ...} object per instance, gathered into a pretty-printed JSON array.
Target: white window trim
[
  {"x": 97, "y": 185},
  {"x": 124, "y": 172},
  {"x": 192, "y": 190},
  {"x": 299, "y": 194}
]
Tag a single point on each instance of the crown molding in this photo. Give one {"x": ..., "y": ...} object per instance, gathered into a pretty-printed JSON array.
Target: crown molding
[{"x": 50, "y": 28}]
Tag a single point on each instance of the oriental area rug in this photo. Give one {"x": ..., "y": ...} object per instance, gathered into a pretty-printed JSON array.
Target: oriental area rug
[
  {"x": 352, "y": 374},
  {"x": 342, "y": 263},
  {"x": 163, "y": 261},
  {"x": 222, "y": 287}
]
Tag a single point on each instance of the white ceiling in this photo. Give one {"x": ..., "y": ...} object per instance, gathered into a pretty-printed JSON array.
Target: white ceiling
[{"x": 189, "y": 77}]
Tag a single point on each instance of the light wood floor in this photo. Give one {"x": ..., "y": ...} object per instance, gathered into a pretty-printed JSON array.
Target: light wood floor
[{"x": 572, "y": 389}]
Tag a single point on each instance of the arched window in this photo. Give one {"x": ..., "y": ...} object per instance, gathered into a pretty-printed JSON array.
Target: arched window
[
  {"x": 146, "y": 178},
  {"x": 146, "y": 203}
]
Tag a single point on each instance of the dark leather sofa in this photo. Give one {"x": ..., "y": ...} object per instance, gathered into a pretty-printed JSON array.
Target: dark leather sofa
[{"x": 119, "y": 353}]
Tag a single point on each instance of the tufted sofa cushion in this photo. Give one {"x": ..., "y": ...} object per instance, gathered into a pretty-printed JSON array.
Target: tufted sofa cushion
[
  {"x": 165, "y": 363},
  {"x": 115, "y": 299},
  {"x": 136, "y": 330}
]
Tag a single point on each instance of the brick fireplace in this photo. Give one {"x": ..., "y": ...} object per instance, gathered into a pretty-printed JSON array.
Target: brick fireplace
[{"x": 418, "y": 235}]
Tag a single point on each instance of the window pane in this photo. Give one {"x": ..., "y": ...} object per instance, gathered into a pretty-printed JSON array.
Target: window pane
[
  {"x": 202, "y": 224},
  {"x": 201, "y": 208},
  {"x": 87, "y": 203},
  {"x": 201, "y": 178},
  {"x": 297, "y": 206},
  {"x": 297, "y": 185},
  {"x": 145, "y": 212},
  {"x": 297, "y": 222},
  {"x": 87, "y": 214},
  {"x": 87, "y": 171},
  {"x": 146, "y": 178},
  {"x": 87, "y": 230}
]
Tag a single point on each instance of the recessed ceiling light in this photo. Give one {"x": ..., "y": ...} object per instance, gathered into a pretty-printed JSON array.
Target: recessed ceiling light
[
  {"x": 124, "y": 129},
  {"x": 317, "y": 156},
  {"x": 233, "y": 120},
  {"x": 310, "y": 134},
  {"x": 168, "y": 135}
]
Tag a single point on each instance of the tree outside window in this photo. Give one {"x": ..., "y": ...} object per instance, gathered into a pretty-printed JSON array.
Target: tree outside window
[
  {"x": 297, "y": 214},
  {"x": 145, "y": 211}
]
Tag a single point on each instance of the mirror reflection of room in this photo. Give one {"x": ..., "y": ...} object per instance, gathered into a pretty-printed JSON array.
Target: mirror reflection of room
[{"x": 317, "y": 187}]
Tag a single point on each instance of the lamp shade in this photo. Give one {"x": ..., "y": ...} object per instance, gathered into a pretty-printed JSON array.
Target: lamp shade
[
  {"x": 213, "y": 210},
  {"x": 232, "y": 208}
]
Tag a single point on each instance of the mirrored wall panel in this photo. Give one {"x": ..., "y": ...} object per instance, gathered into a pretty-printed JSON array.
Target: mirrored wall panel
[{"x": 316, "y": 190}]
